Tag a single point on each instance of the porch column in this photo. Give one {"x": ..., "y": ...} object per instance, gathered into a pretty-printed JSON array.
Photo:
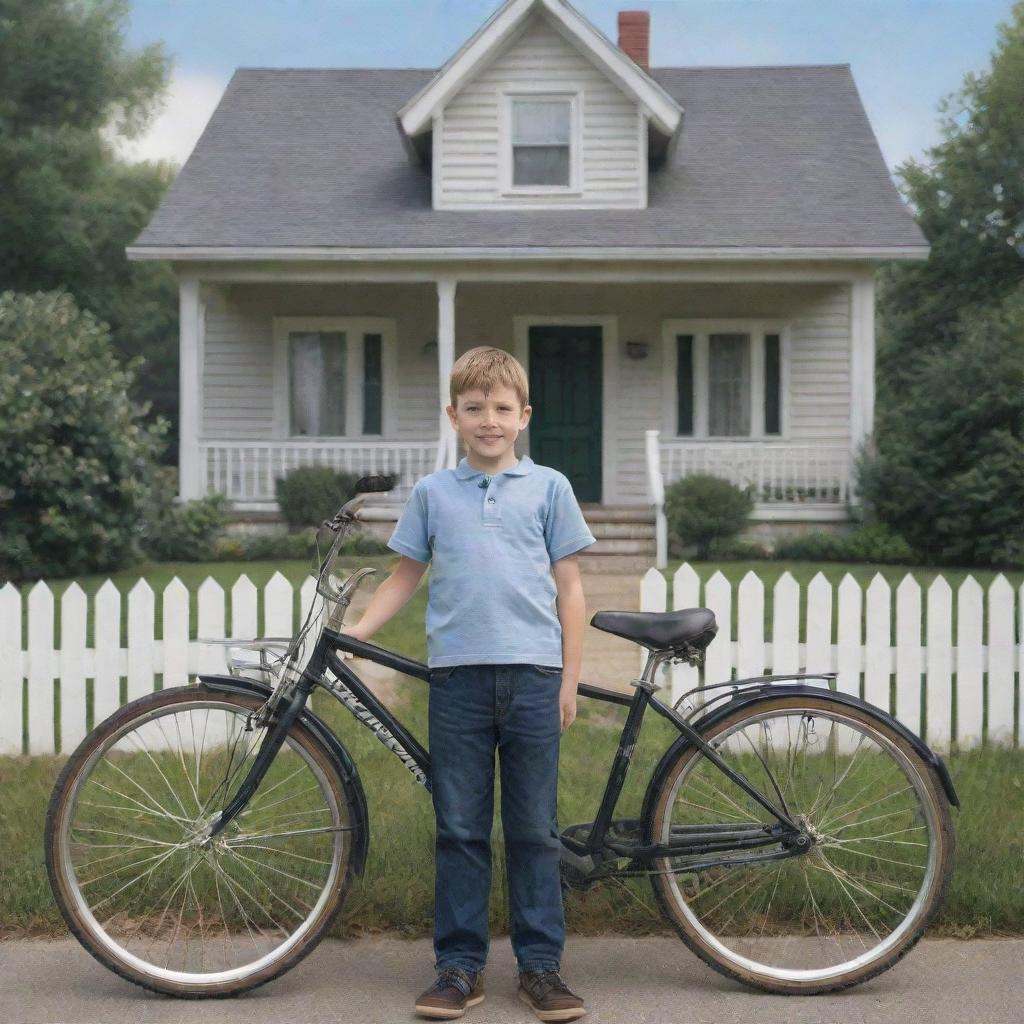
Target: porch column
[
  {"x": 862, "y": 364},
  {"x": 445, "y": 361},
  {"x": 190, "y": 472}
]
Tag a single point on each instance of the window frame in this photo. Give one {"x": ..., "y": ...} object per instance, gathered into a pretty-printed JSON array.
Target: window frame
[
  {"x": 700, "y": 329},
  {"x": 352, "y": 327},
  {"x": 575, "y": 99}
]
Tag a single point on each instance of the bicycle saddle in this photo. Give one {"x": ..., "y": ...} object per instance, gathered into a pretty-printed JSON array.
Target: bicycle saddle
[{"x": 661, "y": 630}]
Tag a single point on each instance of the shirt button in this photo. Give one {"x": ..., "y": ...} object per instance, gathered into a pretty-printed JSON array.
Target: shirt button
[{"x": 490, "y": 501}]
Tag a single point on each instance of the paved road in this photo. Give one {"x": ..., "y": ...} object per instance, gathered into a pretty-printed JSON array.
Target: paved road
[{"x": 632, "y": 981}]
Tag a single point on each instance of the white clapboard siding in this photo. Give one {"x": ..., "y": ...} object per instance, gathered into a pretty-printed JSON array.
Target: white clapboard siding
[
  {"x": 468, "y": 143},
  {"x": 978, "y": 675}
]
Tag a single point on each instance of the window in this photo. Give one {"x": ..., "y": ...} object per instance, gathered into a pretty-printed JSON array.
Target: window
[
  {"x": 316, "y": 383},
  {"x": 331, "y": 376},
  {"x": 541, "y": 131},
  {"x": 728, "y": 379},
  {"x": 729, "y": 385}
]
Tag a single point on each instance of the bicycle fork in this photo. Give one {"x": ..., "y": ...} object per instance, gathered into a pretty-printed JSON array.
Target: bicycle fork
[{"x": 300, "y": 689}]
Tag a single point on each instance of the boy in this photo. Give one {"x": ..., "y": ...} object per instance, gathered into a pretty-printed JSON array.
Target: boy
[{"x": 504, "y": 667}]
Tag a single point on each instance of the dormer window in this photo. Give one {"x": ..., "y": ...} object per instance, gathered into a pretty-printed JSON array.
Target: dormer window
[{"x": 542, "y": 152}]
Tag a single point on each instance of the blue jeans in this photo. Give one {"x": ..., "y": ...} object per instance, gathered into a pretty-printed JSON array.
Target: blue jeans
[{"x": 473, "y": 710}]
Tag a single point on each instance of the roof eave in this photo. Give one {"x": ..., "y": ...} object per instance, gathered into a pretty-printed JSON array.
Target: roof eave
[
  {"x": 717, "y": 254},
  {"x": 417, "y": 115}
]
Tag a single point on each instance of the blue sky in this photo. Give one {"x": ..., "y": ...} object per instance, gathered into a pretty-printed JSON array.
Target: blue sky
[{"x": 905, "y": 54}]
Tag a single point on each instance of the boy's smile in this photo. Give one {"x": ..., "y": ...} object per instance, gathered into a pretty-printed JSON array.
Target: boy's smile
[{"x": 489, "y": 425}]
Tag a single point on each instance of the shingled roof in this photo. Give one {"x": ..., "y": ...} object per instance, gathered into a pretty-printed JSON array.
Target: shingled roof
[{"x": 769, "y": 157}]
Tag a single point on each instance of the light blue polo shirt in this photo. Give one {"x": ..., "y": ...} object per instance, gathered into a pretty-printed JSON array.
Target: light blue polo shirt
[{"x": 490, "y": 542}]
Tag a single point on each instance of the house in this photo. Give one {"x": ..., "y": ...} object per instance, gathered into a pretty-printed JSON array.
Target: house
[{"x": 683, "y": 258}]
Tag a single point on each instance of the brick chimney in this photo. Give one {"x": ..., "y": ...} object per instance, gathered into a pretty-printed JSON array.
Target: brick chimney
[{"x": 635, "y": 36}]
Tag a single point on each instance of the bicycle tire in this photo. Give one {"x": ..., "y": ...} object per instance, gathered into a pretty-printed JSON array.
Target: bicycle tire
[
  {"x": 116, "y": 940},
  {"x": 772, "y": 945}
]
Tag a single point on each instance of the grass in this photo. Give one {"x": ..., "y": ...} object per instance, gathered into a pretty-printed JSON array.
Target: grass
[{"x": 396, "y": 891}]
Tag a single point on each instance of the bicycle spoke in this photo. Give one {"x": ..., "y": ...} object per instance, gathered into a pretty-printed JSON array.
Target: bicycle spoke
[
  {"x": 181, "y": 905},
  {"x": 834, "y": 904}
]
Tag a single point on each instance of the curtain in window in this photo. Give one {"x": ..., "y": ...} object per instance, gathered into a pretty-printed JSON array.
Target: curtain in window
[
  {"x": 729, "y": 385},
  {"x": 316, "y": 364},
  {"x": 540, "y": 142}
]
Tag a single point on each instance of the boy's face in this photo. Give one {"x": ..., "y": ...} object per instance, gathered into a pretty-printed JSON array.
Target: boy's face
[{"x": 489, "y": 424}]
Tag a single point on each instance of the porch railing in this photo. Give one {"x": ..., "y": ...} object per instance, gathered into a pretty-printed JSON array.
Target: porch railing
[
  {"x": 780, "y": 473},
  {"x": 245, "y": 471}
]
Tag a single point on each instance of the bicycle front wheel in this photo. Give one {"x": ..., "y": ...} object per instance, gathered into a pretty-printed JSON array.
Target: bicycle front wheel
[
  {"x": 878, "y": 866},
  {"x": 141, "y": 890}
]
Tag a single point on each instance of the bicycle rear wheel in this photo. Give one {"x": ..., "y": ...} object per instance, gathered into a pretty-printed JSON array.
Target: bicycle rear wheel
[
  {"x": 876, "y": 872},
  {"x": 140, "y": 889}
]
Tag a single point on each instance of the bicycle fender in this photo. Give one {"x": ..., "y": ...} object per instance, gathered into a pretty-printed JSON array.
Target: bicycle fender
[
  {"x": 342, "y": 759},
  {"x": 797, "y": 690}
]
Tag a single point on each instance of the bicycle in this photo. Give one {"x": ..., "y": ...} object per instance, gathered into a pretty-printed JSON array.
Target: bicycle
[{"x": 201, "y": 840}]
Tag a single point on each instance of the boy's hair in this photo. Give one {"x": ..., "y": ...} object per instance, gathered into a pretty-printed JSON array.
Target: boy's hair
[{"x": 484, "y": 367}]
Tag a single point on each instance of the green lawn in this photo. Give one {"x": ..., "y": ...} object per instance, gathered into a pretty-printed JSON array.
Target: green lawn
[{"x": 396, "y": 891}]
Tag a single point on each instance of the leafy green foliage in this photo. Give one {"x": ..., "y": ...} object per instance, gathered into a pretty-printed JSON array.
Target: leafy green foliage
[
  {"x": 181, "y": 531},
  {"x": 310, "y": 494},
  {"x": 872, "y": 544},
  {"x": 950, "y": 475},
  {"x": 75, "y": 458},
  {"x": 68, "y": 205},
  {"x": 293, "y": 545},
  {"x": 946, "y": 466},
  {"x": 702, "y": 508}
]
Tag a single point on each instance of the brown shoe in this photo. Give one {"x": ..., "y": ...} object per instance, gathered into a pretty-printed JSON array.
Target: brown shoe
[
  {"x": 453, "y": 990},
  {"x": 548, "y": 996}
]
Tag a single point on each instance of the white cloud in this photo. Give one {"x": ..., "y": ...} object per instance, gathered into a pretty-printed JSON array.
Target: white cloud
[{"x": 189, "y": 102}]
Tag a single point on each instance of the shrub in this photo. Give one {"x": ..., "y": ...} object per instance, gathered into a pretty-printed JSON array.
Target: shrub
[
  {"x": 310, "y": 494},
  {"x": 76, "y": 460},
  {"x": 296, "y": 545},
  {"x": 177, "y": 531},
  {"x": 949, "y": 470},
  {"x": 703, "y": 508},
  {"x": 875, "y": 543},
  {"x": 739, "y": 550}
]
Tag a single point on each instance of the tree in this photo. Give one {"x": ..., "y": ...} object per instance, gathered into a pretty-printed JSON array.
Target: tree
[
  {"x": 939, "y": 317},
  {"x": 76, "y": 462},
  {"x": 68, "y": 205},
  {"x": 955, "y": 485},
  {"x": 969, "y": 201}
]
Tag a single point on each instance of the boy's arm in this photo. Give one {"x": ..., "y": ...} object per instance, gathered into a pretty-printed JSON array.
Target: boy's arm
[
  {"x": 572, "y": 614},
  {"x": 389, "y": 598}
]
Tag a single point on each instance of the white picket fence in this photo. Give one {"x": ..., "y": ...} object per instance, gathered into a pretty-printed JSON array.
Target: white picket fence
[
  {"x": 976, "y": 666},
  {"x": 980, "y": 665},
  {"x": 177, "y": 656}
]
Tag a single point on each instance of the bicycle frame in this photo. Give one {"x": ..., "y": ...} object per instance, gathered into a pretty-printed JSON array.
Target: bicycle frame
[{"x": 353, "y": 694}]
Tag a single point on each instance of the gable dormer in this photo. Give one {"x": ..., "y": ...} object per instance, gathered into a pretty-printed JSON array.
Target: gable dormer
[{"x": 539, "y": 110}]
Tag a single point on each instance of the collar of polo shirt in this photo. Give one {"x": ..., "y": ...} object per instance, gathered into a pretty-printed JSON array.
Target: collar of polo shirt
[{"x": 464, "y": 471}]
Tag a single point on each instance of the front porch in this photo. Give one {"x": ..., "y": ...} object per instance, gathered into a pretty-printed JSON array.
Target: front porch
[{"x": 763, "y": 376}]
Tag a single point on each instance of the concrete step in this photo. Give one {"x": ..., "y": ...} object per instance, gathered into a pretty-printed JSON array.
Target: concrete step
[
  {"x": 596, "y": 513},
  {"x": 633, "y": 531},
  {"x": 616, "y": 563}
]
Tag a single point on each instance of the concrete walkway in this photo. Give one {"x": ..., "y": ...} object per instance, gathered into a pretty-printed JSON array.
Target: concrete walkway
[{"x": 648, "y": 980}]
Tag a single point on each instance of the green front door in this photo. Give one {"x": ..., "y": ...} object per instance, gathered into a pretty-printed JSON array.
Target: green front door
[{"x": 565, "y": 393}]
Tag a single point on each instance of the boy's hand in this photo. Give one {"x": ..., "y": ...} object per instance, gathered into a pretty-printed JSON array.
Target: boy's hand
[
  {"x": 352, "y": 631},
  {"x": 567, "y": 704}
]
